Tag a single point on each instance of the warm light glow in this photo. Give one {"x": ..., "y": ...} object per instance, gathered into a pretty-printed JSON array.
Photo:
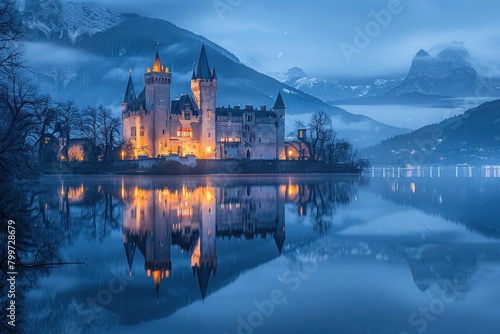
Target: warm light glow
[
  {"x": 62, "y": 157},
  {"x": 157, "y": 276},
  {"x": 76, "y": 194},
  {"x": 293, "y": 190},
  {"x": 123, "y": 155},
  {"x": 208, "y": 195},
  {"x": 195, "y": 258},
  {"x": 413, "y": 187},
  {"x": 208, "y": 149},
  {"x": 123, "y": 190},
  {"x": 75, "y": 153}
]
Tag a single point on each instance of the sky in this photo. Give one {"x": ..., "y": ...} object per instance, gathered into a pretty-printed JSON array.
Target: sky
[{"x": 334, "y": 39}]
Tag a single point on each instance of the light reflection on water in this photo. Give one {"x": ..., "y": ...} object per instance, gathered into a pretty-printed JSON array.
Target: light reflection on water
[{"x": 272, "y": 254}]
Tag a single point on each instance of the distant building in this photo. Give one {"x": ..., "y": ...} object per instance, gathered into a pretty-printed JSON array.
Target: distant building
[{"x": 154, "y": 125}]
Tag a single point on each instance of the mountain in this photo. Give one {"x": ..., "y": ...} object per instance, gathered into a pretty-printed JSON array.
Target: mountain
[
  {"x": 451, "y": 72},
  {"x": 333, "y": 90},
  {"x": 472, "y": 137},
  {"x": 66, "y": 21},
  {"x": 92, "y": 65}
]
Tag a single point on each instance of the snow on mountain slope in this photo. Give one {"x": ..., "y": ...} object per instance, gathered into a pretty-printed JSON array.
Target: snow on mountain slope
[
  {"x": 333, "y": 90},
  {"x": 70, "y": 21}
]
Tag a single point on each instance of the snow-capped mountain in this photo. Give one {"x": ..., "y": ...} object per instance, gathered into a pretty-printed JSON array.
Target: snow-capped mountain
[
  {"x": 332, "y": 90},
  {"x": 452, "y": 72},
  {"x": 92, "y": 49},
  {"x": 66, "y": 21}
]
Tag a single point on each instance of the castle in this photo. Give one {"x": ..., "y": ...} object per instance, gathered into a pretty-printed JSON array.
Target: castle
[
  {"x": 155, "y": 126},
  {"x": 192, "y": 217}
]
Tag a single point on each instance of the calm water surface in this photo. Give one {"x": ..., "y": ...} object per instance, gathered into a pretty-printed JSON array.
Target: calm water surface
[{"x": 393, "y": 251}]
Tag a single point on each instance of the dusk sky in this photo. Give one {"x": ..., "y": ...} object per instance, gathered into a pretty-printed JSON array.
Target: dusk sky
[{"x": 320, "y": 36}]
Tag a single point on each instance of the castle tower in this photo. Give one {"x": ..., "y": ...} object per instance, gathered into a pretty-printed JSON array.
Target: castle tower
[
  {"x": 204, "y": 89},
  {"x": 204, "y": 257},
  {"x": 130, "y": 96},
  {"x": 279, "y": 108},
  {"x": 157, "y": 245},
  {"x": 157, "y": 81}
]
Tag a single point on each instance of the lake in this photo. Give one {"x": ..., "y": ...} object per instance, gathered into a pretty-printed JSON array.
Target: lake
[{"x": 389, "y": 251}]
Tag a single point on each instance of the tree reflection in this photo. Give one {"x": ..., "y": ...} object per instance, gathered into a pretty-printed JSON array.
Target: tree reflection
[{"x": 158, "y": 215}]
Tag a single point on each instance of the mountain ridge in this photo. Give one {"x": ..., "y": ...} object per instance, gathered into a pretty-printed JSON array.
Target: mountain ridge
[
  {"x": 132, "y": 43},
  {"x": 471, "y": 137}
]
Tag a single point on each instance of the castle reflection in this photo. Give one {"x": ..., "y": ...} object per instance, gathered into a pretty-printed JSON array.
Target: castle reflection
[{"x": 192, "y": 217}]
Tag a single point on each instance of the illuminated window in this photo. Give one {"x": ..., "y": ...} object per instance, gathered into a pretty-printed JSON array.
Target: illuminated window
[
  {"x": 133, "y": 131},
  {"x": 208, "y": 113},
  {"x": 238, "y": 139},
  {"x": 184, "y": 132},
  {"x": 142, "y": 130}
]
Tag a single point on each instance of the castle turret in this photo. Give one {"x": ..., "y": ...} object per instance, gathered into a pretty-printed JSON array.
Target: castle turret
[
  {"x": 130, "y": 96},
  {"x": 279, "y": 108},
  {"x": 204, "y": 89},
  {"x": 157, "y": 81}
]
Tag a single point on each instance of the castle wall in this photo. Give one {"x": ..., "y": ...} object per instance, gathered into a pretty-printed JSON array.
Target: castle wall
[{"x": 143, "y": 141}]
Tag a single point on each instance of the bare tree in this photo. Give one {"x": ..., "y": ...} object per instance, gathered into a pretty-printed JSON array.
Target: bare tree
[
  {"x": 89, "y": 127},
  {"x": 68, "y": 118},
  {"x": 109, "y": 130},
  {"x": 18, "y": 124},
  {"x": 10, "y": 32}
]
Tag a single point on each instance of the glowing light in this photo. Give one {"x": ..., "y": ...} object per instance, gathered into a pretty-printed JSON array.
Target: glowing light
[
  {"x": 413, "y": 187},
  {"x": 208, "y": 149},
  {"x": 123, "y": 155},
  {"x": 75, "y": 153},
  {"x": 76, "y": 194}
]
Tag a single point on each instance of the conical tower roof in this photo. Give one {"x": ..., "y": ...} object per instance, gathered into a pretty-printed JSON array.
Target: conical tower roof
[
  {"x": 130, "y": 91},
  {"x": 203, "y": 70},
  {"x": 279, "y": 104}
]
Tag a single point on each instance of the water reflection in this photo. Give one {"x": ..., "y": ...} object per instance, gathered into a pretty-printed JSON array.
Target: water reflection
[
  {"x": 471, "y": 201},
  {"x": 168, "y": 227},
  {"x": 191, "y": 216},
  {"x": 158, "y": 245}
]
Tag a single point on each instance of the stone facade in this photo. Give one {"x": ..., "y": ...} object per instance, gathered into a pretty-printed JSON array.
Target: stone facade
[{"x": 193, "y": 125}]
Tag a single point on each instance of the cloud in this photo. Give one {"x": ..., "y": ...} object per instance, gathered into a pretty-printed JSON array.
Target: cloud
[
  {"x": 47, "y": 53},
  {"x": 255, "y": 31}
]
